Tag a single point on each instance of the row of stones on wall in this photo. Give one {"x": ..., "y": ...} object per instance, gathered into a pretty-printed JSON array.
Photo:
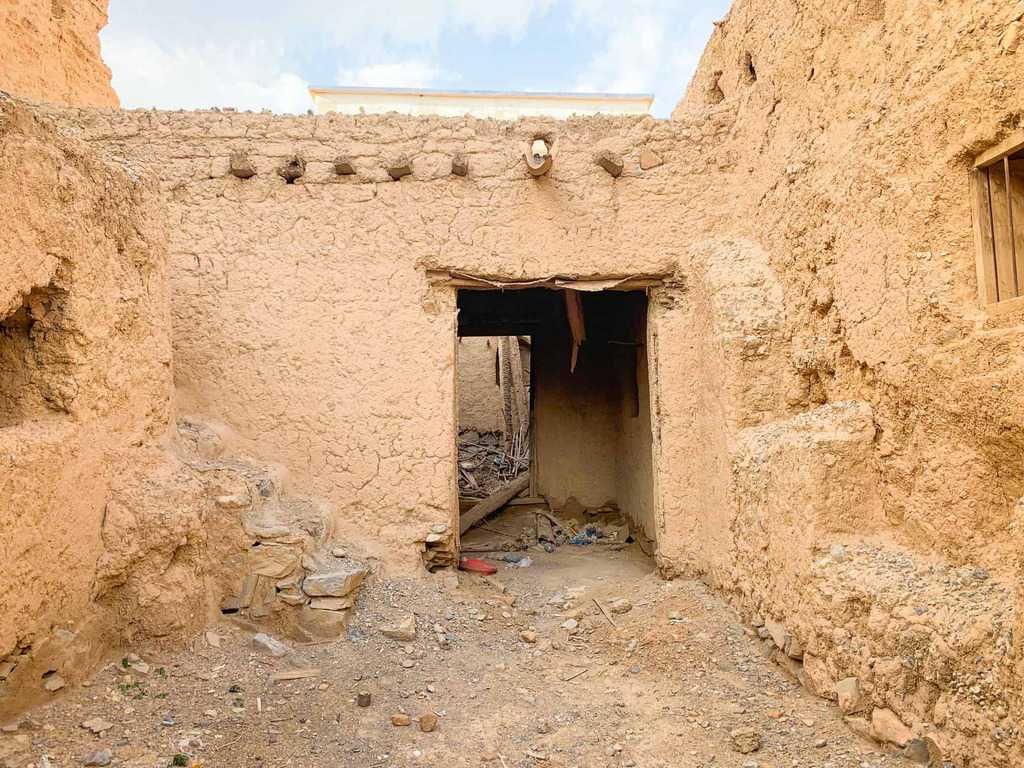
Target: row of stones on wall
[{"x": 538, "y": 161}]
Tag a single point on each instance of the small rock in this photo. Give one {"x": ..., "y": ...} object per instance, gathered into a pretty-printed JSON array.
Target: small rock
[
  {"x": 341, "y": 579},
  {"x": 270, "y": 645},
  {"x": 428, "y": 722},
  {"x": 363, "y": 699},
  {"x": 241, "y": 167},
  {"x": 97, "y": 725},
  {"x": 404, "y": 631},
  {"x": 619, "y": 606},
  {"x": 649, "y": 159},
  {"x": 745, "y": 740},
  {"x": 848, "y": 695},
  {"x": 528, "y": 636},
  {"x": 400, "y": 720},
  {"x": 53, "y": 682},
  {"x": 213, "y": 639},
  {"x": 570, "y": 624},
  {"x": 917, "y": 752},
  {"x": 99, "y": 757},
  {"x": 888, "y": 727}
]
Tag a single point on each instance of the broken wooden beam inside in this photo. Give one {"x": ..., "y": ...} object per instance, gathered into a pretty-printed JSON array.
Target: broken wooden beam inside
[{"x": 493, "y": 503}]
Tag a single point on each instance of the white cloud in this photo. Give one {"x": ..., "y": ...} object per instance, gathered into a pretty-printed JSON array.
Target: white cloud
[
  {"x": 243, "y": 76},
  {"x": 255, "y": 54},
  {"x": 411, "y": 73}
]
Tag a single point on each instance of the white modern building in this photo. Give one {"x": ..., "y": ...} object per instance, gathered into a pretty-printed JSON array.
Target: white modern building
[{"x": 496, "y": 104}]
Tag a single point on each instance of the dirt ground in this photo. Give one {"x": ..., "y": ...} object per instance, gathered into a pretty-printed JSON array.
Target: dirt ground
[{"x": 665, "y": 686}]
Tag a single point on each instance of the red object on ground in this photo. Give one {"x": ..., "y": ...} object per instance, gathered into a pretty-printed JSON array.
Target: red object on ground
[{"x": 476, "y": 565}]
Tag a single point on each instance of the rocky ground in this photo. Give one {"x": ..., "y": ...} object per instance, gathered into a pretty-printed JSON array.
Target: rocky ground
[{"x": 522, "y": 668}]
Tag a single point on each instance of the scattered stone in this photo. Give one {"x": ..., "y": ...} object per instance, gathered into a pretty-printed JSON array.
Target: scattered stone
[
  {"x": 400, "y": 720},
  {"x": 528, "y": 636},
  {"x": 322, "y": 624},
  {"x": 619, "y": 606},
  {"x": 363, "y": 699},
  {"x": 917, "y": 752},
  {"x": 53, "y": 682},
  {"x": 460, "y": 165},
  {"x": 213, "y": 639},
  {"x": 404, "y": 631},
  {"x": 649, "y": 159},
  {"x": 233, "y": 501},
  {"x": 849, "y": 695},
  {"x": 332, "y": 603},
  {"x": 570, "y": 624},
  {"x": 342, "y": 578},
  {"x": 745, "y": 740},
  {"x": 428, "y": 722},
  {"x": 99, "y": 757},
  {"x": 97, "y": 725},
  {"x": 888, "y": 727},
  {"x": 271, "y": 645}
]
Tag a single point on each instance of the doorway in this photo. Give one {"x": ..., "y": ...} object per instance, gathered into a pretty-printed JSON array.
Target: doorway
[{"x": 582, "y": 460}]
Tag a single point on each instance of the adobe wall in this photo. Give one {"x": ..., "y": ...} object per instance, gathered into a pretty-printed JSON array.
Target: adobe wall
[
  {"x": 50, "y": 51},
  {"x": 479, "y": 394},
  {"x": 100, "y": 529},
  {"x": 341, "y": 263},
  {"x": 837, "y": 424},
  {"x": 480, "y": 406},
  {"x": 864, "y": 511}
]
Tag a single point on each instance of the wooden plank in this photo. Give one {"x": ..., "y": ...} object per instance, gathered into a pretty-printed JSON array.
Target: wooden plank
[
  {"x": 493, "y": 503},
  {"x": 984, "y": 247},
  {"x": 1013, "y": 144},
  {"x": 1006, "y": 279},
  {"x": 1017, "y": 199}
]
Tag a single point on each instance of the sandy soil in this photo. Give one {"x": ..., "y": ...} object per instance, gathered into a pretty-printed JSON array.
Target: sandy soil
[{"x": 665, "y": 686}]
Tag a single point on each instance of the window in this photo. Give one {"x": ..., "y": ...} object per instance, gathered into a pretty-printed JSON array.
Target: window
[{"x": 998, "y": 184}]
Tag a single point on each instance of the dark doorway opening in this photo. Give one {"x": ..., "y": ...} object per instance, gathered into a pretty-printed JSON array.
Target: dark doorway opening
[{"x": 590, "y": 439}]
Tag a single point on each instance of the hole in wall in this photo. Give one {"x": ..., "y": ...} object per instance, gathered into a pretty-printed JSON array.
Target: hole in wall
[
  {"x": 749, "y": 70},
  {"x": 35, "y": 372}
]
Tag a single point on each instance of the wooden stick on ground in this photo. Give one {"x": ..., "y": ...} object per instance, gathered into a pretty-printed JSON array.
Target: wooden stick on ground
[{"x": 606, "y": 614}]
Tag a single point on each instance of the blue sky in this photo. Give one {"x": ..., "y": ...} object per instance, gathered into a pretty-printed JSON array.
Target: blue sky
[{"x": 263, "y": 54}]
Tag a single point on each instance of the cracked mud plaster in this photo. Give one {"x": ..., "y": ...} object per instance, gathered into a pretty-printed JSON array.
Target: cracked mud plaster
[{"x": 835, "y": 415}]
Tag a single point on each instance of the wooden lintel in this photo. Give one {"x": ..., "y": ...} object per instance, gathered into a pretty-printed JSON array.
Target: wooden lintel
[
  {"x": 1009, "y": 146},
  {"x": 625, "y": 283}
]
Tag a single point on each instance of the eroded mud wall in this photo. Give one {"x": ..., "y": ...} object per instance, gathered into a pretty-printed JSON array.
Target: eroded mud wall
[
  {"x": 50, "y": 51},
  {"x": 100, "y": 529},
  {"x": 860, "y": 427}
]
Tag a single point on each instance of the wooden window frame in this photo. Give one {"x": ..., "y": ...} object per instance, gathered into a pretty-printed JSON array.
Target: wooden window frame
[{"x": 999, "y": 259}]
